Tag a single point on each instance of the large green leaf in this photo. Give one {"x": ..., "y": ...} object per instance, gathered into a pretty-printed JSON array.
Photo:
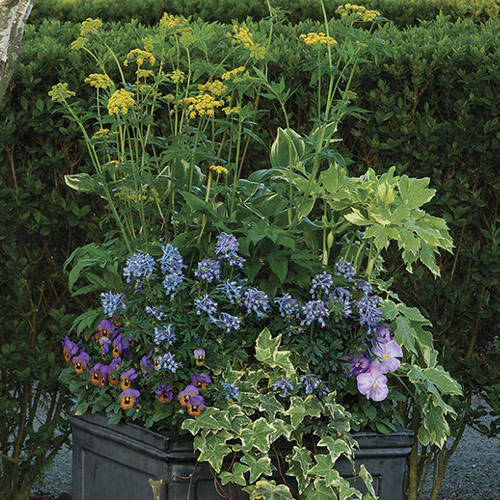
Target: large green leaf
[
  {"x": 259, "y": 463},
  {"x": 236, "y": 476}
]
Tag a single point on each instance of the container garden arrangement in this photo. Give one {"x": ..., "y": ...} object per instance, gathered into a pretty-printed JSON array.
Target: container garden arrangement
[{"x": 246, "y": 334}]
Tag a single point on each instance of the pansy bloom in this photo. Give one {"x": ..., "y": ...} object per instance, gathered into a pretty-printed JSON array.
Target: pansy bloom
[
  {"x": 69, "y": 349},
  {"x": 146, "y": 365},
  {"x": 195, "y": 406},
  {"x": 127, "y": 378},
  {"x": 128, "y": 398},
  {"x": 120, "y": 345},
  {"x": 373, "y": 384},
  {"x": 80, "y": 362},
  {"x": 190, "y": 391},
  {"x": 388, "y": 352},
  {"x": 99, "y": 375},
  {"x": 359, "y": 364},
  {"x": 201, "y": 381},
  {"x": 199, "y": 356},
  {"x": 105, "y": 328},
  {"x": 165, "y": 394},
  {"x": 113, "y": 368}
]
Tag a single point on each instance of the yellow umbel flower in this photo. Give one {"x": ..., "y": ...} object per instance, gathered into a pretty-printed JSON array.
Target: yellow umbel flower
[
  {"x": 60, "y": 92},
  {"x": 140, "y": 57},
  {"x": 103, "y": 134},
  {"x": 171, "y": 22},
  {"x": 216, "y": 87},
  {"x": 143, "y": 73},
  {"x": 236, "y": 71},
  {"x": 90, "y": 26},
  {"x": 120, "y": 102},
  {"x": 201, "y": 105},
  {"x": 218, "y": 169},
  {"x": 257, "y": 52},
  {"x": 177, "y": 76},
  {"x": 318, "y": 38},
  {"x": 357, "y": 12},
  {"x": 79, "y": 43},
  {"x": 242, "y": 36},
  {"x": 99, "y": 81},
  {"x": 229, "y": 110}
]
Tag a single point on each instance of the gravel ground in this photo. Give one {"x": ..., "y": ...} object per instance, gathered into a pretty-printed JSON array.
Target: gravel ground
[{"x": 473, "y": 472}]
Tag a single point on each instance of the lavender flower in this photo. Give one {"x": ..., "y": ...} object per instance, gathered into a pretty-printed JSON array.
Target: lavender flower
[
  {"x": 205, "y": 304},
  {"x": 164, "y": 335},
  {"x": 364, "y": 286},
  {"x": 359, "y": 364},
  {"x": 172, "y": 283},
  {"x": 167, "y": 362},
  {"x": 112, "y": 302},
  {"x": 171, "y": 261},
  {"x": 311, "y": 382},
  {"x": 288, "y": 306},
  {"x": 256, "y": 301},
  {"x": 232, "y": 290},
  {"x": 388, "y": 352},
  {"x": 322, "y": 282},
  {"x": 383, "y": 333},
  {"x": 139, "y": 266},
  {"x": 229, "y": 391},
  {"x": 345, "y": 269},
  {"x": 283, "y": 385},
  {"x": 314, "y": 310},
  {"x": 369, "y": 314},
  {"x": 159, "y": 315},
  {"x": 227, "y": 245},
  {"x": 228, "y": 322},
  {"x": 208, "y": 269}
]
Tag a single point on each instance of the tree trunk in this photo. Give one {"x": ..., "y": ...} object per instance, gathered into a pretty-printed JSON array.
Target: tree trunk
[{"x": 13, "y": 17}]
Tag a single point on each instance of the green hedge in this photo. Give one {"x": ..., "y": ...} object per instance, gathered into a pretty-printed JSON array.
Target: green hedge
[
  {"x": 431, "y": 93},
  {"x": 401, "y": 12}
]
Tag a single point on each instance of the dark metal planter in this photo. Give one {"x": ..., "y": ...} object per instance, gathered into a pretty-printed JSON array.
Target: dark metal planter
[{"x": 114, "y": 462}]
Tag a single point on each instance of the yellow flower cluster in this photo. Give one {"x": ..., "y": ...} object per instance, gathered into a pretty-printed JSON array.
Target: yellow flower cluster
[
  {"x": 257, "y": 52},
  {"x": 359, "y": 11},
  {"x": 103, "y": 134},
  {"x": 111, "y": 163},
  {"x": 177, "y": 76},
  {"x": 140, "y": 57},
  {"x": 171, "y": 22},
  {"x": 236, "y": 71},
  {"x": 99, "y": 81},
  {"x": 229, "y": 110},
  {"x": 79, "y": 43},
  {"x": 90, "y": 27},
  {"x": 120, "y": 102},
  {"x": 143, "y": 73},
  {"x": 218, "y": 169},
  {"x": 60, "y": 92},
  {"x": 242, "y": 36},
  {"x": 314, "y": 38},
  {"x": 202, "y": 104},
  {"x": 216, "y": 87}
]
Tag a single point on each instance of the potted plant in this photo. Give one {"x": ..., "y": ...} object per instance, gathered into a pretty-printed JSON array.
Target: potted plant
[{"x": 251, "y": 314}]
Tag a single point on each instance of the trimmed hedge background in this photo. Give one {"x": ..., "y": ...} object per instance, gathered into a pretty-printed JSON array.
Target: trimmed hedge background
[
  {"x": 401, "y": 12},
  {"x": 431, "y": 95}
]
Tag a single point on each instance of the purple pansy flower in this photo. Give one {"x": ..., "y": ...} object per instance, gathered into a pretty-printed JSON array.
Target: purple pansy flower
[
  {"x": 359, "y": 364},
  {"x": 165, "y": 394},
  {"x": 387, "y": 354},
  {"x": 373, "y": 384},
  {"x": 99, "y": 375},
  {"x": 69, "y": 349},
  {"x": 127, "y": 378},
  {"x": 81, "y": 362},
  {"x": 128, "y": 398},
  {"x": 199, "y": 356},
  {"x": 201, "y": 381},
  {"x": 120, "y": 345},
  {"x": 190, "y": 391},
  {"x": 146, "y": 365},
  {"x": 195, "y": 405}
]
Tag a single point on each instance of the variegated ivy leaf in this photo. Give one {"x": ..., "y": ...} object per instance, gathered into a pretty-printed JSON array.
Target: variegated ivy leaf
[
  {"x": 301, "y": 408},
  {"x": 237, "y": 475},
  {"x": 325, "y": 468},
  {"x": 270, "y": 405},
  {"x": 266, "y": 351},
  {"x": 302, "y": 456},
  {"x": 319, "y": 490},
  {"x": 211, "y": 419},
  {"x": 367, "y": 479},
  {"x": 257, "y": 435},
  {"x": 212, "y": 448},
  {"x": 336, "y": 447},
  {"x": 268, "y": 490},
  {"x": 281, "y": 428},
  {"x": 259, "y": 463}
]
